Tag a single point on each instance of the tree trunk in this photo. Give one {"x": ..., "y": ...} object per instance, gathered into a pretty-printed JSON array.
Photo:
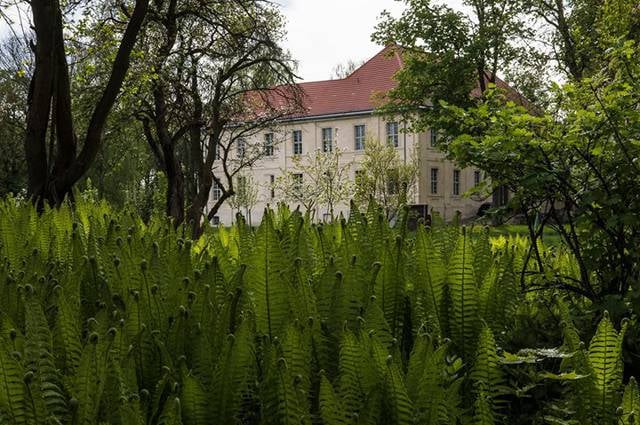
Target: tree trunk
[
  {"x": 39, "y": 100},
  {"x": 51, "y": 180},
  {"x": 175, "y": 185}
]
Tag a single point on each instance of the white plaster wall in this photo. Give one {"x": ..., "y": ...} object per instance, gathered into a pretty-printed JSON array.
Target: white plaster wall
[{"x": 444, "y": 202}]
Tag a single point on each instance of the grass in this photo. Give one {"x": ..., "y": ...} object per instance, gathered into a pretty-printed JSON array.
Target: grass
[{"x": 549, "y": 236}]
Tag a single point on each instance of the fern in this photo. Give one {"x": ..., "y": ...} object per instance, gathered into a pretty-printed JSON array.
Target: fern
[
  {"x": 12, "y": 391},
  {"x": 234, "y": 376},
  {"x": 267, "y": 282},
  {"x": 487, "y": 376},
  {"x": 429, "y": 282},
  {"x": 283, "y": 401},
  {"x": 47, "y": 386},
  {"x": 630, "y": 407},
  {"x": 464, "y": 296},
  {"x": 332, "y": 410},
  {"x": 107, "y": 319},
  {"x": 605, "y": 360},
  {"x": 194, "y": 399}
]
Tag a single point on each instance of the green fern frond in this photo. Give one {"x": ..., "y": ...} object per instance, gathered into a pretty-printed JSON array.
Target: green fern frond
[
  {"x": 399, "y": 407},
  {"x": 351, "y": 385},
  {"x": 482, "y": 413},
  {"x": 464, "y": 296},
  {"x": 234, "y": 376},
  {"x": 12, "y": 389},
  {"x": 630, "y": 407},
  {"x": 195, "y": 409},
  {"x": 482, "y": 256},
  {"x": 374, "y": 321},
  {"x": 267, "y": 282},
  {"x": 283, "y": 402},
  {"x": 486, "y": 374},
  {"x": 391, "y": 287},
  {"x": 171, "y": 415},
  {"x": 429, "y": 282},
  {"x": 40, "y": 361},
  {"x": 332, "y": 411},
  {"x": 605, "y": 360}
]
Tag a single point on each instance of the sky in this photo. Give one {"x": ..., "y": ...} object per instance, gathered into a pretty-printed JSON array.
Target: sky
[{"x": 325, "y": 33}]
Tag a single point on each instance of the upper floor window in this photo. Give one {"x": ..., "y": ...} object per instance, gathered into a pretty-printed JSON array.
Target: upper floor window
[
  {"x": 434, "y": 181},
  {"x": 216, "y": 151},
  {"x": 327, "y": 140},
  {"x": 241, "y": 147},
  {"x": 476, "y": 177},
  {"x": 268, "y": 144},
  {"x": 456, "y": 182},
  {"x": 297, "y": 142},
  {"x": 434, "y": 137},
  {"x": 216, "y": 191},
  {"x": 392, "y": 133},
  {"x": 359, "y": 134}
]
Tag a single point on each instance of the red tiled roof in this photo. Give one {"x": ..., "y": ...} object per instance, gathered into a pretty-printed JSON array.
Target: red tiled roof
[
  {"x": 356, "y": 92},
  {"x": 360, "y": 91}
]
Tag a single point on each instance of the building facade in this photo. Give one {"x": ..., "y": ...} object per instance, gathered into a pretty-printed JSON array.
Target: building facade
[{"x": 340, "y": 114}]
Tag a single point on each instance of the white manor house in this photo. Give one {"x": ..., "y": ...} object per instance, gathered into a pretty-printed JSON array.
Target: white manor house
[{"x": 340, "y": 114}]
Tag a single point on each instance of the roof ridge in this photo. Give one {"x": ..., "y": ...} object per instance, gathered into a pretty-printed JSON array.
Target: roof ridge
[{"x": 380, "y": 53}]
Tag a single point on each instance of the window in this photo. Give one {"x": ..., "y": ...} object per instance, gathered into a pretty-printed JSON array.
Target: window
[
  {"x": 216, "y": 220},
  {"x": 434, "y": 137},
  {"x": 297, "y": 182},
  {"x": 434, "y": 181},
  {"x": 241, "y": 147},
  {"x": 297, "y": 142},
  {"x": 216, "y": 151},
  {"x": 272, "y": 189},
  {"x": 216, "y": 191},
  {"x": 476, "y": 177},
  {"x": 359, "y": 131},
  {"x": 327, "y": 140},
  {"x": 268, "y": 144},
  {"x": 392, "y": 133},
  {"x": 456, "y": 182}
]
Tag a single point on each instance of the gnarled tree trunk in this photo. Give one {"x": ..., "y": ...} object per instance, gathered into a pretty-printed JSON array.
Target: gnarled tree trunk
[{"x": 53, "y": 172}]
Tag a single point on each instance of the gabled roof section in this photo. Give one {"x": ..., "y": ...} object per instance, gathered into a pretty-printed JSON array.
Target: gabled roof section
[
  {"x": 356, "y": 92},
  {"x": 361, "y": 91}
]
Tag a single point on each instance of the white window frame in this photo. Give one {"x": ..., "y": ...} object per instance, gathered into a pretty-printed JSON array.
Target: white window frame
[
  {"x": 359, "y": 134},
  {"x": 393, "y": 133},
  {"x": 434, "y": 180},
  {"x": 216, "y": 191},
  {"x": 327, "y": 139},
  {"x": 456, "y": 182},
  {"x": 268, "y": 144},
  {"x": 297, "y": 142}
]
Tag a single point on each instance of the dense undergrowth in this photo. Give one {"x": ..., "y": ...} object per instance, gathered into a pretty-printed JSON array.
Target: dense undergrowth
[{"x": 106, "y": 319}]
